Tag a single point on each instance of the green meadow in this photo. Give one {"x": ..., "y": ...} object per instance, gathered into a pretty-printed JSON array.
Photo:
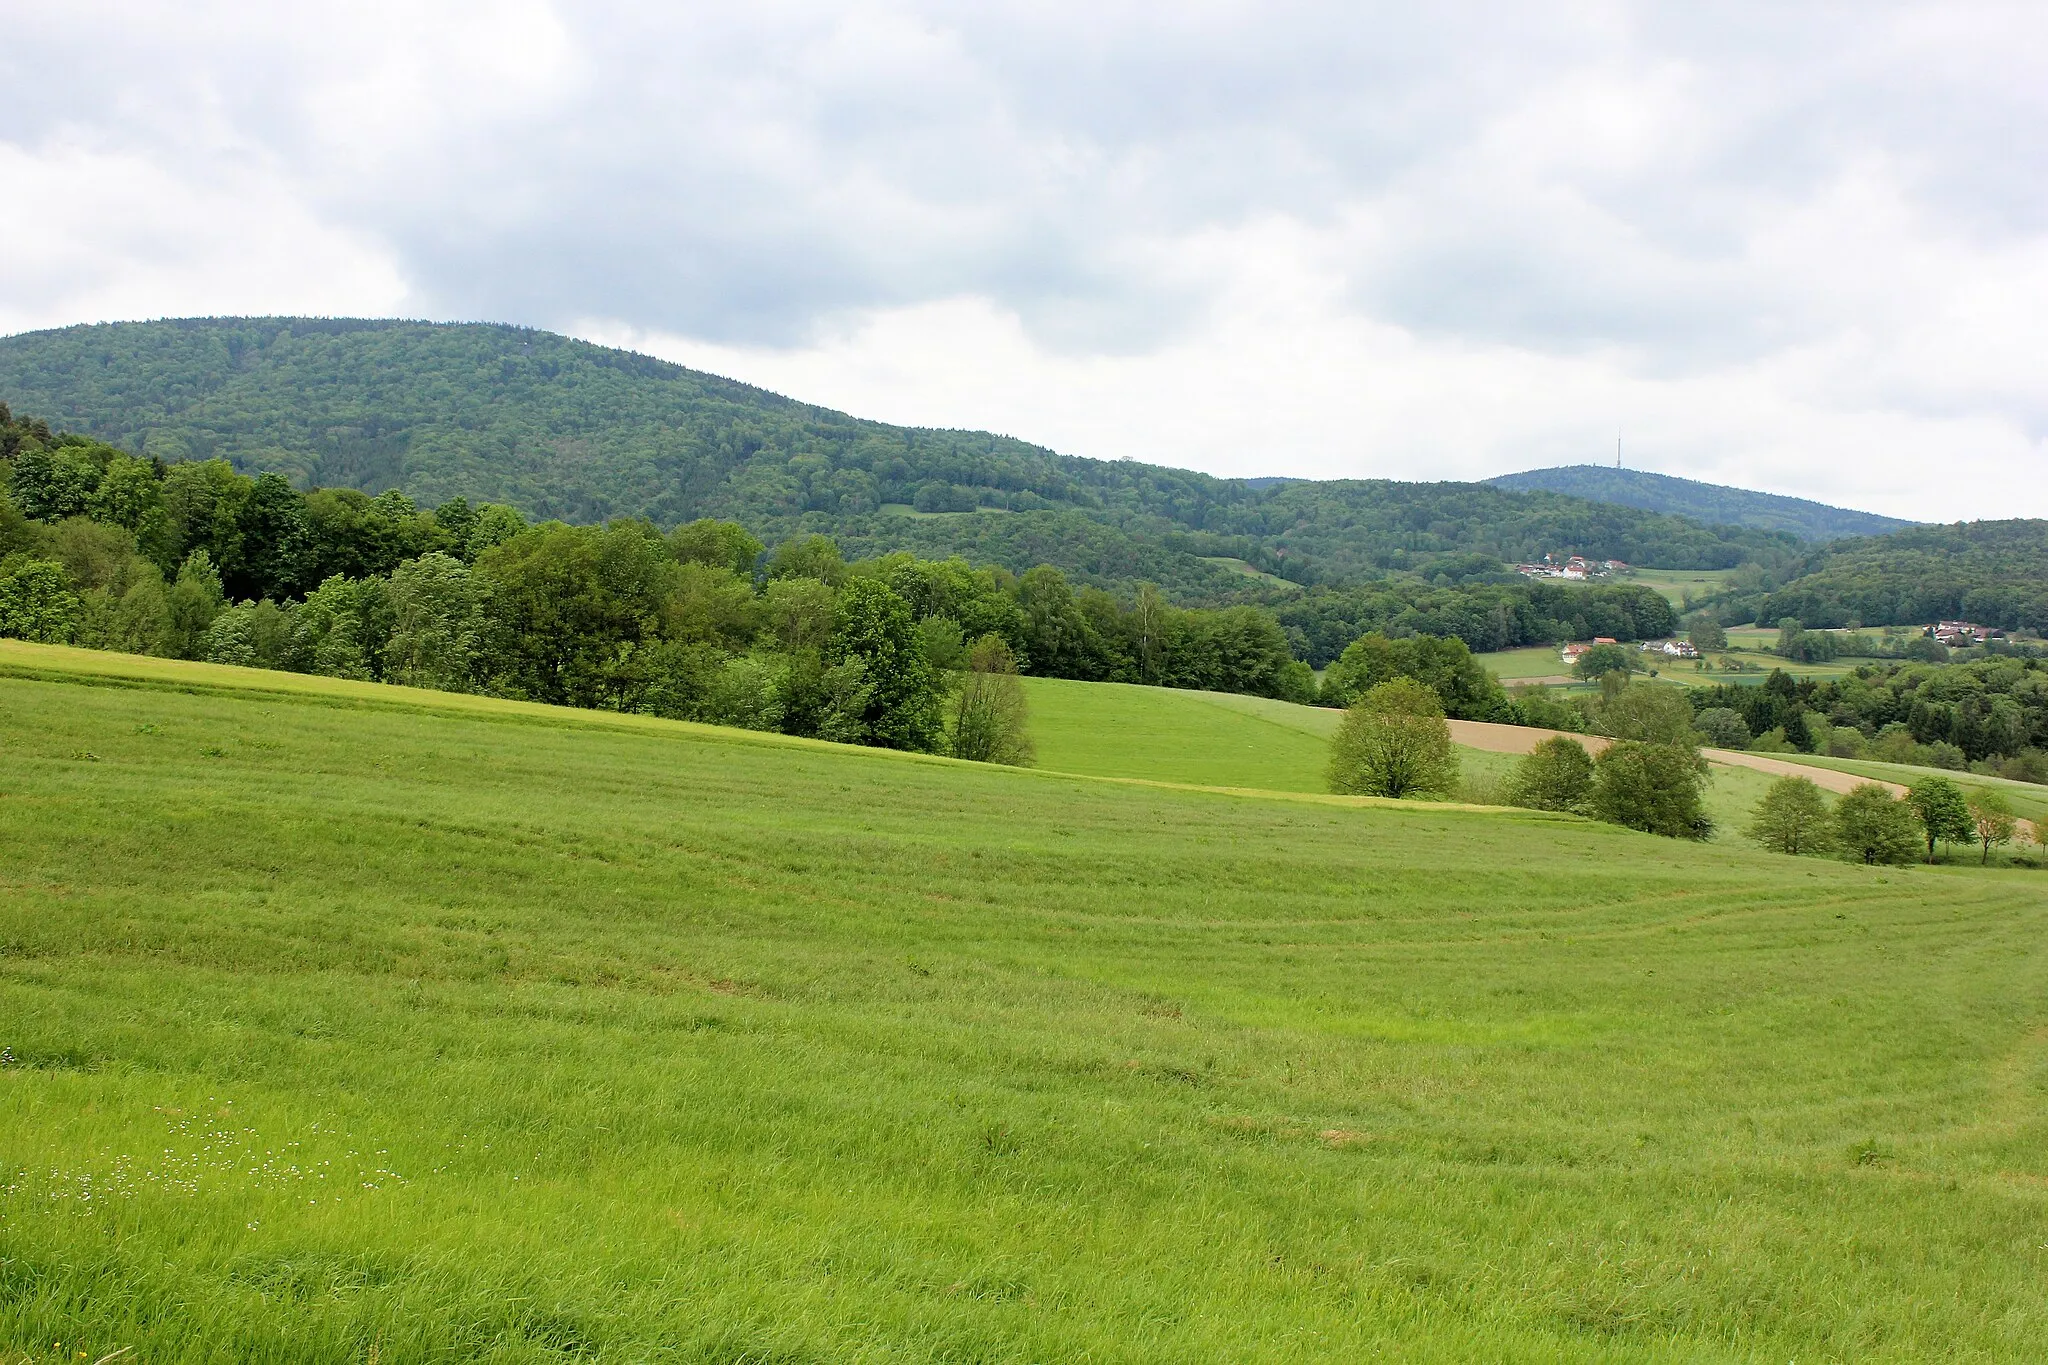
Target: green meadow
[
  {"x": 1223, "y": 739},
  {"x": 346, "y": 1023}
]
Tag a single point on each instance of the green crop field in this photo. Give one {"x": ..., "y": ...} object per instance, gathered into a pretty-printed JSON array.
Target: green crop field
[{"x": 345, "y": 1023}]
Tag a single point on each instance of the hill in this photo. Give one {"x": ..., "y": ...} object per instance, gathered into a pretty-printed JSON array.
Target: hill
[
  {"x": 341, "y": 1021},
  {"x": 1710, "y": 503},
  {"x": 1223, "y": 739},
  {"x": 1991, "y": 572},
  {"x": 562, "y": 428}
]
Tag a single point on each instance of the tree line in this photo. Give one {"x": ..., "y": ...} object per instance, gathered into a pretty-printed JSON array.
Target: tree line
[
  {"x": 1991, "y": 572},
  {"x": 1988, "y": 715},
  {"x": 1869, "y": 824},
  {"x": 194, "y": 560}
]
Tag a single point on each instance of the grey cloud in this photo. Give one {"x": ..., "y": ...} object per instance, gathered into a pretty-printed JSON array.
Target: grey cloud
[{"x": 746, "y": 174}]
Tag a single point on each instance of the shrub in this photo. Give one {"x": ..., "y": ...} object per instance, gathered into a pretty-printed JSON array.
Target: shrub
[{"x": 1394, "y": 742}]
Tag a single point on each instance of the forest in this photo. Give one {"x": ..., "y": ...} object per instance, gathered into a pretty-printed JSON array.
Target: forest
[
  {"x": 563, "y": 429},
  {"x": 1712, "y": 504},
  {"x": 1991, "y": 572},
  {"x": 1988, "y": 714}
]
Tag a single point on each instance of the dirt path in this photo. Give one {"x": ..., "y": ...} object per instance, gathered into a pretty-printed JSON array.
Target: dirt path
[{"x": 1520, "y": 739}]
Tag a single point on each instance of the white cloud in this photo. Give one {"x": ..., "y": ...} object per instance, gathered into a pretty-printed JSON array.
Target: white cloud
[{"x": 1799, "y": 248}]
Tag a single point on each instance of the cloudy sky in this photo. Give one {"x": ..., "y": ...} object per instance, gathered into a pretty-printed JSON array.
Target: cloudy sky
[{"x": 1799, "y": 247}]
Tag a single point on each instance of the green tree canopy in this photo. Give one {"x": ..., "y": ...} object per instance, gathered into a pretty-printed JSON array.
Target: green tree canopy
[
  {"x": 1943, "y": 813},
  {"x": 1791, "y": 817},
  {"x": 1872, "y": 827},
  {"x": 1556, "y": 775},
  {"x": 875, "y": 630},
  {"x": 1394, "y": 742},
  {"x": 1601, "y": 660},
  {"x": 1443, "y": 664},
  {"x": 1657, "y": 788},
  {"x": 1649, "y": 713}
]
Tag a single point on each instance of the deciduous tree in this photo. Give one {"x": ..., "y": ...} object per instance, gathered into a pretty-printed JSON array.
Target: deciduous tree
[
  {"x": 1657, "y": 788},
  {"x": 1791, "y": 818},
  {"x": 1871, "y": 827},
  {"x": 1992, "y": 819},
  {"x": 990, "y": 715},
  {"x": 1394, "y": 742},
  {"x": 1556, "y": 775},
  {"x": 1944, "y": 815}
]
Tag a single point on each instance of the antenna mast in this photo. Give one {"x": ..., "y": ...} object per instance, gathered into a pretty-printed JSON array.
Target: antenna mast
[{"x": 1617, "y": 450}]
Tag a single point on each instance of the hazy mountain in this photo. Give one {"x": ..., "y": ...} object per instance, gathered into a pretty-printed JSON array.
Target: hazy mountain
[{"x": 1711, "y": 503}]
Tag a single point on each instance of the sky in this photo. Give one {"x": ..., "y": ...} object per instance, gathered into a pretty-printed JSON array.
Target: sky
[{"x": 1801, "y": 248}]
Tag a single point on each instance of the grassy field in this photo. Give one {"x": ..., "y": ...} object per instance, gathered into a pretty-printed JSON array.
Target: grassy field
[
  {"x": 1222, "y": 740},
  {"x": 1518, "y": 665},
  {"x": 1678, "y": 584},
  {"x": 341, "y": 1023}
]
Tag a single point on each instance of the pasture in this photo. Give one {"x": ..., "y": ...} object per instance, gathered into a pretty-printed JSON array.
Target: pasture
[
  {"x": 342, "y": 1023},
  {"x": 1220, "y": 739}
]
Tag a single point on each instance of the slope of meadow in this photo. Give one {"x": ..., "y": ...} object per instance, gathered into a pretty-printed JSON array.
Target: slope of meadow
[
  {"x": 343, "y": 1022},
  {"x": 1224, "y": 739}
]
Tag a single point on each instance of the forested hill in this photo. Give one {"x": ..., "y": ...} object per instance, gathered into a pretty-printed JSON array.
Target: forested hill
[
  {"x": 562, "y": 428},
  {"x": 1707, "y": 502},
  {"x": 1991, "y": 572}
]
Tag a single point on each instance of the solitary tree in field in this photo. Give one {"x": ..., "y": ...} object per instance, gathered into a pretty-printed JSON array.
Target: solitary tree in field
[
  {"x": 1944, "y": 815},
  {"x": 1707, "y": 634},
  {"x": 1992, "y": 818},
  {"x": 1871, "y": 827},
  {"x": 1557, "y": 775},
  {"x": 1657, "y": 788},
  {"x": 1394, "y": 742},
  {"x": 989, "y": 713},
  {"x": 1791, "y": 818}
]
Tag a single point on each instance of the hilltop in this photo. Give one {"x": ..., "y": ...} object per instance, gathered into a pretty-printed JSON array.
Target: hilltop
[
  {"x": 1713, "y": 504},
  {"x": 562, "y": 428},
  {"x": 1992, "y": 572}
]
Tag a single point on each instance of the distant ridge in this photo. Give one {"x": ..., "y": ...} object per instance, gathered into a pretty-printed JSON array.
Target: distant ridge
[
  {"x": 562, "y": 428},
  {"x": 1712, "y": 503}
]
